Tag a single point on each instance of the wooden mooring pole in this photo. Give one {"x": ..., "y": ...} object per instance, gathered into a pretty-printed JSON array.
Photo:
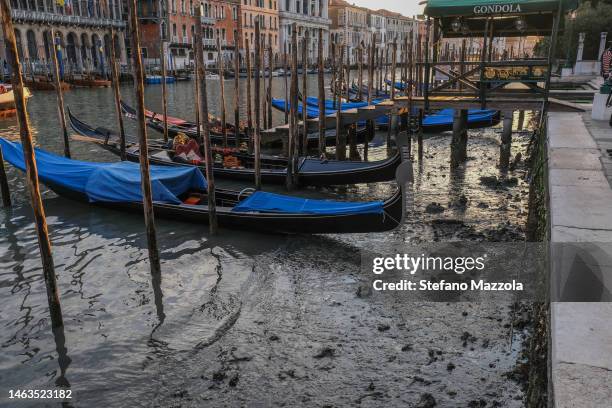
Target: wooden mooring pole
[
  {"x": 505, "y": 146},
  {"x": 262, "y": 91},
  {"x": 4, "y": 186},
  {"x": 237, "y": 41},
  {"x": 196, "y": 99},
  {"x": 147, "y": 193},
  {"x": 257, "y": 103},
  {"x": 269, "y": 89},
  {"x": 286, "y": 78},
  {"x": 370, "y": 123},
  {"x": 203, "y": 114},
  {"x": 236, "y": 89},
  {"x": 521, "y": 120},
  {"x": 248, "y": 91},
  {"x": 60, "y": 94},
  {"x": 162, "y": 57},
  {"x": 321, "y": 95},
  {"x": 25, "y": 135},
  {"x": 459, "y": 139},
  {"x": 117, "y": 95},
  {"x": 292, "y": 141},
  {"x": 340, "y": 136},
  {"x": 304, "y": 138},
  {"x": 221, "y": 70},
  {"x": 360, "y": 71},
  {"x": 334, "y": 80}
]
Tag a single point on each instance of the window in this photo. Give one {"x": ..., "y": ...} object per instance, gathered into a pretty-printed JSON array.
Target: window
[
  {"x": 174, "y": 30},
  {"x": 184, "y": 31}
]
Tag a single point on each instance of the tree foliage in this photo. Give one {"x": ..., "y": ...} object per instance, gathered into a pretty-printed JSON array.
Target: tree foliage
[{"x": 592, "y": 18}]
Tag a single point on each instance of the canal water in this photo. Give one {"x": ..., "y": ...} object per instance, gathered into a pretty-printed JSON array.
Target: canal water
[{"x": 245, "y": 319}]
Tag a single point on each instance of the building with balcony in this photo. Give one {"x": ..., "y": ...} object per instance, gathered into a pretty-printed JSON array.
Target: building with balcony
[
  {"x": 310, "y": 16},
  {"x": 266, "y": 12},
  {"x": 377, "y": 23},
  {"x": 349, "y": 26},
  {"x": 220, "y": 19},
  {"x": 172, "y": 21},
  {"x": 83, "y": 27}
]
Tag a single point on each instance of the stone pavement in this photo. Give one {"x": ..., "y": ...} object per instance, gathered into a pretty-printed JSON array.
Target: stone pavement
[{"x": 580, "y": 177}]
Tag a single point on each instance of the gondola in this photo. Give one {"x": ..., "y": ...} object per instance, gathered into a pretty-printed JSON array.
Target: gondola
[
  {"x": 400, "y": 86},
  {"x": 311, "y": 172},
  {"x": 177, "y": 125},
  {"x": 440, "y": 121},
  {"x": 179, "y": 193}
]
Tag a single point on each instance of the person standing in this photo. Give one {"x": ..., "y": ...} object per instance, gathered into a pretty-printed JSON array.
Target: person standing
[{"x": 606, "y": 62}]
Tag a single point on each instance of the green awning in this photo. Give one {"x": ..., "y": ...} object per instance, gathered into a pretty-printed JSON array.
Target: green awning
[{"x": 476, "y": 8}]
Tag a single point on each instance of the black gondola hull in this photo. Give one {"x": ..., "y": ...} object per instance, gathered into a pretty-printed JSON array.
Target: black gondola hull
[{"x": 262, "y": 222}]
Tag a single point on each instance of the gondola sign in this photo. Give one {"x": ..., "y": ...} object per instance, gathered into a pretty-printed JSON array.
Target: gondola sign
[{"x": 498, "y": 9}]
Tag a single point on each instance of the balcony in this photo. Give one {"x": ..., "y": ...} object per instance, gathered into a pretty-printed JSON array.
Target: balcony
[
  {"x": 209, "y": 43},
  {"x": 208, "y": 20},
  {"x": 51, "y": 18},
  {"x": 304, "y": 18}
]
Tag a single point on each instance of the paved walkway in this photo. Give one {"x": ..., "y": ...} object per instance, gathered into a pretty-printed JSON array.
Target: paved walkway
[{"x": 580, "y": 177}]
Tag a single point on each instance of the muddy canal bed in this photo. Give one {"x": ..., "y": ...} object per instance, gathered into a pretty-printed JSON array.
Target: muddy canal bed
[{"x": 244, "y": 319}]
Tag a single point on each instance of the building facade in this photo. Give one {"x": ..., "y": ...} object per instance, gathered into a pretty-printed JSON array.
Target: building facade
[
  {"x": 266, "y": 11},
  {"x": 399, "y": 28},
  {"x": 349, "y": 26},
  {"x": 377, "y": 24},
  {"x": 83, "y": 28},
  {"x": 220, "y": 20},
  {"x": 309, "y": 16},
  {"x": 173, "y": 22}
]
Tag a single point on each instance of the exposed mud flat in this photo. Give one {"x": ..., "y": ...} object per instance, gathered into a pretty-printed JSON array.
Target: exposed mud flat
[{"x": 254, "y": 320}]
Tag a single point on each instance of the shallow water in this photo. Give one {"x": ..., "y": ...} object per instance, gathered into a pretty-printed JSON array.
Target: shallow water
[{"x": 244, "y": 319}]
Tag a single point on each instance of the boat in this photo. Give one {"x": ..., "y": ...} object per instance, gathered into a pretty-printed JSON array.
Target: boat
[
  {"x": 7, "y": 100},
  {"x": 401, "y": 86},
  {"x": 85, "y": 82},
  {"x": 157, "y": 79},
  {"x": 179, "y": 193},
  {"x": 44, "y": 84},
  {"x": 312, "y": 111},
  {"x": 311, "y": 171},
  {"x": 177, "y": 125},
  {"x": 436, "y": 122}
]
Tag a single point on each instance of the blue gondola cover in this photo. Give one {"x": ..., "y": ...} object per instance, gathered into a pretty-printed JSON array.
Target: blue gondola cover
[
  {"x": 275, "y": 203},
  {"x": 108, "y": 182}
]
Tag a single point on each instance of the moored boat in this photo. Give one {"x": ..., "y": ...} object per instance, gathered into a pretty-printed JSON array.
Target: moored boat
[
  {"x": 177, "y": 125},
  {"x": 311, "y": 171},
  {"x": 180, "y": 194},
  {"x": 88, "y": 82},
  {"x": 7, "y": 100}
]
